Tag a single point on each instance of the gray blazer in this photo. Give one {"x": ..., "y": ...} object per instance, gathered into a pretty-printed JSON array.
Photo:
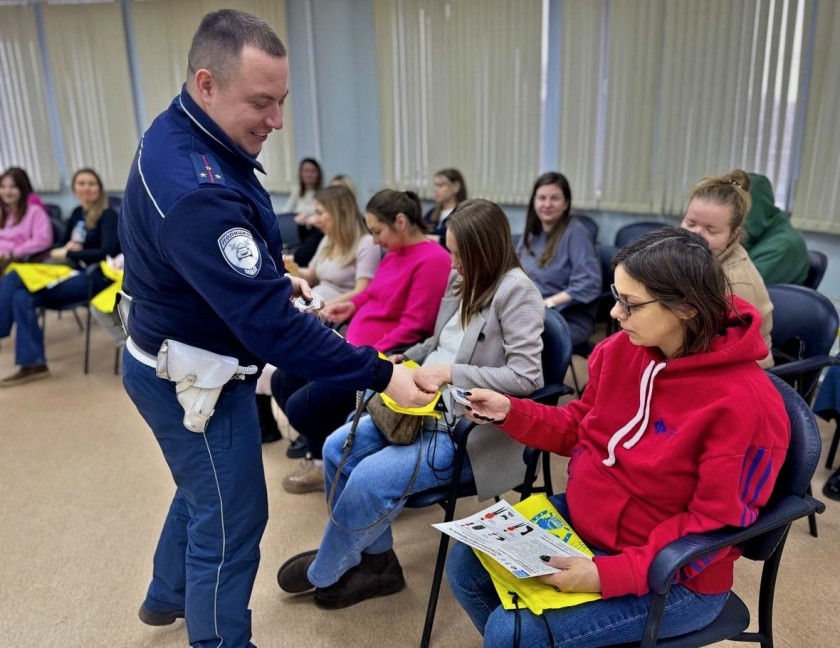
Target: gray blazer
[{"x": 501, "y": 350}]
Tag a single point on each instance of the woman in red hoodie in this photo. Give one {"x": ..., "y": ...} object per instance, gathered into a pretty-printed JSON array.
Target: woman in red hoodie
[{"x": 679, "y": 431}]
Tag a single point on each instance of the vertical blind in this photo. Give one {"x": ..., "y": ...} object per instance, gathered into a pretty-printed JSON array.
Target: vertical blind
[
  {"x": 459, "y": 86},
  {"x": 87, "y": 54},
  {"x": 26, "y": 137},
  {"x": 817, "y": 200},
  {"x": 163, "y": 32},
  {"x": 657, "y": 95}
]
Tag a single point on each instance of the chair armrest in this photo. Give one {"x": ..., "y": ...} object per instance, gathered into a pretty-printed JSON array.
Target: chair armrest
[
  {"x": 679, "y": 553},
  {"x": 801, "y": 366},
  {"x": 549, "y": 394}
]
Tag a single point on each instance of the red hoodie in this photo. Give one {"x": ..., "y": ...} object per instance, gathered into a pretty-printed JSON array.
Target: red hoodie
[{"x": 663, "y": 448}]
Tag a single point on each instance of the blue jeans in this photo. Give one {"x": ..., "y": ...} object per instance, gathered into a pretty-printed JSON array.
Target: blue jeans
[
  {"x": 599, "y": 623},
  {"x": 370, "y": 486},
  {"x": 18, "y": 307},
  {"x": 208, "y": 553}
]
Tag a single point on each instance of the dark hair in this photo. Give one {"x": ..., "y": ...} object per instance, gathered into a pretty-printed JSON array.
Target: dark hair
[
  {"x": 533, "y": 227},
  {"x": 388, "y": 203},
  {"x": 94, "y": 212},
  {"x": 217, "y": 44},
  {"x": 21, "y": 180},
  {"x": 680, "y": 272},
  {"x": 319, "y": 183},
  {"x": 485, "y": 245},
  {"x": 453, "y": 175},
  {"x": 731, "y": 190}
]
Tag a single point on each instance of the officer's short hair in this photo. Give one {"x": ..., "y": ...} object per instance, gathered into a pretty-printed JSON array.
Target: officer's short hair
[{"x": 218, "y": 42}]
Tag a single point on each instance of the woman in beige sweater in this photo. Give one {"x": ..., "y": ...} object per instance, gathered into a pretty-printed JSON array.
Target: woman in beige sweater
[{"x": 716, "y": 211}]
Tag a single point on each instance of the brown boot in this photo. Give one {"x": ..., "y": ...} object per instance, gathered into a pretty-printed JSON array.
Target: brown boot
[
  {"x": 377, "y": 575},
  {"x": 25, "y": 375},
  {"x": 308, "y": 478}
]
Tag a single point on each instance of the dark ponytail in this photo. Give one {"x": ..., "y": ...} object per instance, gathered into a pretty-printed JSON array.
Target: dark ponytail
[{"x": 388, "y": 203}]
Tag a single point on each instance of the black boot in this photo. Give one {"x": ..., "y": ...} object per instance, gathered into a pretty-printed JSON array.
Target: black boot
[{"x": 268, "y": 426}]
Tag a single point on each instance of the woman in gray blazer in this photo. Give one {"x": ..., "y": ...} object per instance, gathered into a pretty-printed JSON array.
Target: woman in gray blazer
[{"x": 488, "y": 334}]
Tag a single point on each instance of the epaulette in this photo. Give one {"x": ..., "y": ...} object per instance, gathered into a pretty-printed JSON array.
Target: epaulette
[{"x": 207, "y": 170}]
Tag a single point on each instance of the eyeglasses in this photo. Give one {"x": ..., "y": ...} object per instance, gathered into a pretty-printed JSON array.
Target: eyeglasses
[{"x": 626, "y": 307}]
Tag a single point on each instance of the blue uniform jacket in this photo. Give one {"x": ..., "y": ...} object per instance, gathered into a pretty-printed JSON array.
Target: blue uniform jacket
[{"x": 203, "y": 258}]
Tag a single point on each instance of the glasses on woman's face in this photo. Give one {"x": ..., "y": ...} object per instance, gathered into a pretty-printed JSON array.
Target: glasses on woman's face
[{"x": 627, "y": 307}]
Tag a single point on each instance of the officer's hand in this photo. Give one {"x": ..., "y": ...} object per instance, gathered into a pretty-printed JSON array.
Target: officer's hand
[
  {"x": 300, "y": 288},
  {"x": 403, "y": 390}
]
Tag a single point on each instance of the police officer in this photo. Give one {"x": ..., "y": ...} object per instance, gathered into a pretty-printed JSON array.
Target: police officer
[{"x": 203, "y": 266}]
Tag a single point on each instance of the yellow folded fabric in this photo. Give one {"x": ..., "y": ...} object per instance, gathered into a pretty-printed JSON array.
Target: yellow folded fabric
[
  {"x": 426, "y": 410},
  {"x": 37, "y": 276},
  {"x": 106, "y": 300},
  {"x": 533, "y": 593}
]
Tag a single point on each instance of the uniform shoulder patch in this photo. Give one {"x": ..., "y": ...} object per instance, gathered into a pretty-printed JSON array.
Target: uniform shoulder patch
[
  {"x": 207, "y": 170},
  {"x": 241, "y": 252}
]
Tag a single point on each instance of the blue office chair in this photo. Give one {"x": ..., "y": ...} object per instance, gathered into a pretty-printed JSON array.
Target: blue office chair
[
  {"x": 818, "y": 264},
  {"x": 590, "y": 223},
  {"x": 634, "y": 230},
  {"x": 556, "y": 355},
  {"x": 288, "y": 231},
  {"x": 805, "y": 325},
  {"x": 763, "y": 541}
]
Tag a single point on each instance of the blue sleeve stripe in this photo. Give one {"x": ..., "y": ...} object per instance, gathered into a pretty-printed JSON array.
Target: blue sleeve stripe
[{"x": 759, "y": 453}]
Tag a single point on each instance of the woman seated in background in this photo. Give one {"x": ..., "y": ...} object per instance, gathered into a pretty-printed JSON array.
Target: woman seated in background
[
  {"x": 347, "y": 257},
  {"x": 559, "y": 255},
  {"x": 91, "y": 236},
  {"x": 302, "y": 203},
  {"x": 396, "y": 309},
  {"x": 25, "y": 227},
  {"x": 344, "y": 264},
  {"x": 775, "y": 247},
  {"x": 679, "y": 431},
  {"x": 716, "y": 210},
  {"x": 343, "y": 180},
  {"x": 487, "y": 334},
  {"x": 449, "y": 190}
]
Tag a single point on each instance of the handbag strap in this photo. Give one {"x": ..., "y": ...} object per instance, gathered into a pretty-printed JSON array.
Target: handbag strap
[{"x": 361, "y": 403}]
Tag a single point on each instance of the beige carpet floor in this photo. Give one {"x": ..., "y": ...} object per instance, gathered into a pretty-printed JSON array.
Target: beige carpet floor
[{"x": 84, "y": 490}]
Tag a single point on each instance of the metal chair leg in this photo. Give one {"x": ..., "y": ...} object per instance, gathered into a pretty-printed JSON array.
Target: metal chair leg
[
  {"x": 87, "y": 338},
  {"x": 812, "y": 519}
]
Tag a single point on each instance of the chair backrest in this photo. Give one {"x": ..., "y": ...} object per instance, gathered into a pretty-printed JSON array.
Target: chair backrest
[
  {"x": 590, "y": 223},
  {"x": 807, "y": 320},
  {"x": 607, "y": 253},
  {"x": 817, "y": 265},
  {"x": 288, "y": 230},
  {"x": 557, "y": 348},
  {"x": 115, "y": 203},
  {"x": 800, "y": 463},
  {"x": 634, "y": 230}
]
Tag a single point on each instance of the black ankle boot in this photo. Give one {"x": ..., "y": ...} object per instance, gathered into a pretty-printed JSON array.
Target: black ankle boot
[{"x": 268, "y": 426}]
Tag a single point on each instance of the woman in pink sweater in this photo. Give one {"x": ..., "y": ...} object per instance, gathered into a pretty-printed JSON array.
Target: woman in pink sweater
[
  {"x": 397, "y": 309},
  {"x": 25, "y": 227}
]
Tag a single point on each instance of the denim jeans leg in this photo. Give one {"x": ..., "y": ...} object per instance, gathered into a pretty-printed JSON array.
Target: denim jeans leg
[
  {"x": 29, "y": 337},
  {"x": 603, "y": 623},
  {"x": 371, "y": 486},
  {"x": 9, "y": 284}
]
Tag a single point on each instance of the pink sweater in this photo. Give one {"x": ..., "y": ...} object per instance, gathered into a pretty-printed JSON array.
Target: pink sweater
[
  {"x": 400, "y": 304},
  {"x": 33, "y": 233}
]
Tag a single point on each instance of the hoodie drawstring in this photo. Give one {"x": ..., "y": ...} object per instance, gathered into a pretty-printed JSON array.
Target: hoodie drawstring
[{"x": 643, "y": 413}]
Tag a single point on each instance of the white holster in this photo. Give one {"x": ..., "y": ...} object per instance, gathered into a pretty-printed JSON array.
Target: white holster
[{"x": 199, "y": 376}]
